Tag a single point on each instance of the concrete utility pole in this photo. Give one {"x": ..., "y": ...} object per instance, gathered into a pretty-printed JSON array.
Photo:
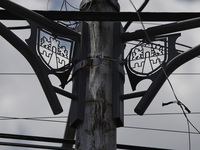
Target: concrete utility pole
[{"x": 98, "y": 130}]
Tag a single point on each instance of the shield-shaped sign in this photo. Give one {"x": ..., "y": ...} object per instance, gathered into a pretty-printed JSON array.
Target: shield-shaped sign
[
  {"x": 54, "y": 51},
  {"x": 145, "y": 59}
]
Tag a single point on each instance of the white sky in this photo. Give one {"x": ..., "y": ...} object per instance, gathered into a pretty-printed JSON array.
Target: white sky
[{"x": 22, "y": 95}]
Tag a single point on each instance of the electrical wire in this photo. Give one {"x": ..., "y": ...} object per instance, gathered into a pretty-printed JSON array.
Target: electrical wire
[
  {"x": 162, "y": 130},
  {"x": 146, "y": 34},
  {"x": 33, "y": 146},
  {"x": 16, "y": 74},
  {"x": 84, "y": 7},
  {"x": 63, "y": 5},
  {"x": 33, "y": 74},
  {"x": 181, "y": 106},
  {"x": 176, "y": 98},
  {"x": 45, "y": 119},
  {"x": 162, "y": 114},
  {"x": 72, "y": 5},
  {"x": 68, "y": 24},
  {"x": 19, "y": 27},
  {"x": 139, "y": 10},
  {"x": 179, "y": 103},
  {"x": 188, "y": 125},
  {"x": 184, "y": 73},
  {"x": 48, "y": 4}
]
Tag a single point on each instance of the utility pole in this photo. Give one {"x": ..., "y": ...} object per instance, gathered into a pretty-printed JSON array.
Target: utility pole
[
  {"x": 98, "y": 76},
  {"x": 98, "y": 130}
]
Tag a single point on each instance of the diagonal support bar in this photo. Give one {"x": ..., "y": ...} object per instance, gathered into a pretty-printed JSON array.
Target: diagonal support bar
[
  {"x": 105, "y": 16},
  {"x": 41, "y": 20},
  {"x": 161, "y": 78},
  {"x": 33, "y": 61},
  {"x": 163, "y": 29}
]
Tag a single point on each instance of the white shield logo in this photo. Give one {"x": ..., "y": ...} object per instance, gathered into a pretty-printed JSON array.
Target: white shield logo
[
  {"x": 145, "y": 59},
  {"x": 55, "y": 52}
]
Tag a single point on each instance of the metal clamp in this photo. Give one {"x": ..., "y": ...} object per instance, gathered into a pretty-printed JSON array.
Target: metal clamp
[{"x": 87, "y": 62}]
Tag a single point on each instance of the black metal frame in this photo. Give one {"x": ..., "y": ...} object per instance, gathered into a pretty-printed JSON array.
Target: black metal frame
[
  {"x": 161, "y": 78},
  {"x": 56, "y": 141},
  {"x": 105, "y": 16},
  {"x": 28, "y": 51}
]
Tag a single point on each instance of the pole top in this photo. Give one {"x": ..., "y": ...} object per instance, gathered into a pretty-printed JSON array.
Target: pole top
[{"x": 113, "y": 3}]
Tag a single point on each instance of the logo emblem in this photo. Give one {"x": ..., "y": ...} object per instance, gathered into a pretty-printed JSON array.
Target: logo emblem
[
  {"x": 146, "y": 59},
  {"x": 55, "y": 52}
]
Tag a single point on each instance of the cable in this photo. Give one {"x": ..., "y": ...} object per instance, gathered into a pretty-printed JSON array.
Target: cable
[
  {"x": 162, "y": 114},
  {"x": 184, "y": 73},
  {"x": 3, "y": 118},
  {"x": 85, "y": 5},
  {"x": 139, "y": 10},
  {"x": 33, "y": 74},
  {"x": 71, "y": 5},
  {"x": 181, "y": 106},
  {"x": 68, "y": 24},
  {"x": 19, "y": 27},
  {"x": 63, "y": 4},
  {"x": 16, "y": 74},
  {"x": 33, "y": 146},
  {"x": 177, "y": 100},
  {"x": 147, "y": 36},
  {"x": 162, "y": 130},
  {"x": 188, "y": 125},
  {"x": 48, "y": 4}
]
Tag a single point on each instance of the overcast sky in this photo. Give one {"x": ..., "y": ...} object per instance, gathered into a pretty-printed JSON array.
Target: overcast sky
[{"x": 22, "y": 95}]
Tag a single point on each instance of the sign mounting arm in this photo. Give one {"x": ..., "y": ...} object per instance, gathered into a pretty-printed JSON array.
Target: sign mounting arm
[
  {"x": 33, "y": 61},
  {"x": 161, "y": 78}
]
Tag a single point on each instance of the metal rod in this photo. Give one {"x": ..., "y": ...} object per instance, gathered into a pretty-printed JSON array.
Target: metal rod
[
  {"x": 33, "y": 61},
  {"x": 36, "y": 138},
  {"x": 163, "y": 29},
  {"x": 105, "y": 16},
  {"x": 128, "y": 147},
  {"x": 161, "y": 78},
  {"x": 64, "y": 93},
  {"x": 133, "y": 95},
  {"x": 32, "y": 146},
  {"x": 30, "y": 15}
]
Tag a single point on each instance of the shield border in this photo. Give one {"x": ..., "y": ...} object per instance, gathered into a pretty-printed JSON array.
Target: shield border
[
  {"x": 63, "y": 38},
  {"x": 157, "y": 68}
]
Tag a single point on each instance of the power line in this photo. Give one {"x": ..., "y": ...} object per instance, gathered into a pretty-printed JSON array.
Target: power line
[
  {"x": 45, "y": 119},
  {"x": 185, "y": 73},
  {"x": 55, "y": 140},
  {"x": 71, "y": 5},
  {"x": 162, "y": 130},
  {"x": 16, "y": 73},
  {"x": 32, "y": 74},
  {"x": 162, "y": 114},
  {"x": 34, "y": 138},
  {"x": 138, "y": 14},
  {"x": 19, "y": 27},
  {"x": 33, "y": 146},
  {"x": 130, "y": 147},
  {"x": 106, "y": 16}
]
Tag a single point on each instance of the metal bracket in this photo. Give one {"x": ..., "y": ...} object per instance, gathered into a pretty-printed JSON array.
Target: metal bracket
[
  {"x": 95, "y": 62},
  {"x": 85, "y": 63}
]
